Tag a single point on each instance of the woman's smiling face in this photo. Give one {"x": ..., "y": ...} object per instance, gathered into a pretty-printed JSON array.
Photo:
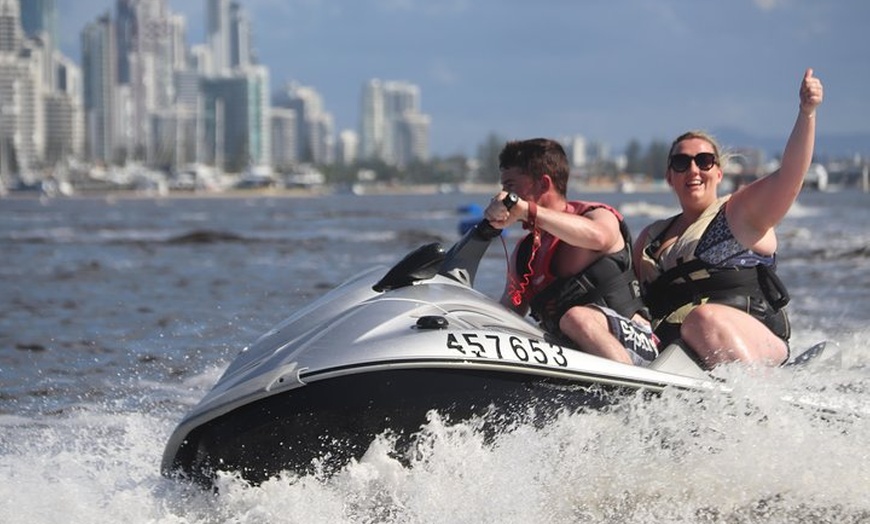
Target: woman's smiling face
[{"x": 695, "y": 187}]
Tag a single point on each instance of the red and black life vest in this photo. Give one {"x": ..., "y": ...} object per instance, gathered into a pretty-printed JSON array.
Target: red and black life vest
[{"x": 608, "y": 282}]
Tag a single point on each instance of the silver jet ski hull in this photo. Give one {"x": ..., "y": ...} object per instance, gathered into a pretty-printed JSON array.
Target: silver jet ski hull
[{"x": 373, "y": 356}]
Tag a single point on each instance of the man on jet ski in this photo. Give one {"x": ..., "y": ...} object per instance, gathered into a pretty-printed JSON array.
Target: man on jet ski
[{"x": 573, "y": 269}]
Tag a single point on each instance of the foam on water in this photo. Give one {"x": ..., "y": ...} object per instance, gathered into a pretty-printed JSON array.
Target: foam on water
[{"x": 680, "y": 457}]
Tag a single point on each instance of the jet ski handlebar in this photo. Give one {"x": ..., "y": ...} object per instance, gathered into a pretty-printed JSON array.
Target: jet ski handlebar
[
  {"x": 460, "y": 263},
  {"x": 485, "y": 229}
]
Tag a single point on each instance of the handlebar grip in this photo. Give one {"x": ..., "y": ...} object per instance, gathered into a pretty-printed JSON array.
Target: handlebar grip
[{"x": 484, "y": 229}]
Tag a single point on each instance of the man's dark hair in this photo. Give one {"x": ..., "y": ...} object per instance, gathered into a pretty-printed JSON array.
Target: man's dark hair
[{"x": 537, "y": 157}]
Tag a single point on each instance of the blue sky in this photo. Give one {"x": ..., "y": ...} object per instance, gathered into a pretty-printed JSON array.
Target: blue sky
[{"x": 610, "y": 70}]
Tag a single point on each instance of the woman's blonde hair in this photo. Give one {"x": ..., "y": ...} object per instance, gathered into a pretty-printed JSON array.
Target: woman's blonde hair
[{"x": 722, "y": 155}]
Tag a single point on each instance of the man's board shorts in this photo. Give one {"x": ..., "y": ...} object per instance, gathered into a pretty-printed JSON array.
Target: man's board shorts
[{"x": 637, "y": 338}]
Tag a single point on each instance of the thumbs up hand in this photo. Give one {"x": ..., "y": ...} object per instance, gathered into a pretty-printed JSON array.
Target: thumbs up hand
[{"x": 811, "y": 93}]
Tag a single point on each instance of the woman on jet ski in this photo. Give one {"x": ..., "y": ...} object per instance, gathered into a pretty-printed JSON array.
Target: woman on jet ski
[{"x": 708, "y": 272}]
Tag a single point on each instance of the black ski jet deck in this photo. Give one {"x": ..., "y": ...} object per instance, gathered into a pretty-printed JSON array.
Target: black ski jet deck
[{"x": 378, "y": 353}]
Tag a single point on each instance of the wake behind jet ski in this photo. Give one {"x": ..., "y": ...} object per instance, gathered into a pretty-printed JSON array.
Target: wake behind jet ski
[{"x": 381, "y": 351}]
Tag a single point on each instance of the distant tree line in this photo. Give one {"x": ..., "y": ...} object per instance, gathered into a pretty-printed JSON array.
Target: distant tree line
[{"x": 650, "y": 161}]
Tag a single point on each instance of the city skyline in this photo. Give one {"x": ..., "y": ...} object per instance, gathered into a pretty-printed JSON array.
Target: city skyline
[
  {"x": 145, "y": 93},
  {"x": 632, "y": 70}
]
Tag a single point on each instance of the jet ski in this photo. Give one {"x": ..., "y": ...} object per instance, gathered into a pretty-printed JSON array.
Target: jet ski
[{"x": 381, "y": 352}]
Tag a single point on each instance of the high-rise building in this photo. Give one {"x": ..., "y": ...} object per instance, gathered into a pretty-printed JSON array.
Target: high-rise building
[
  {"x": 315, "y": 128},
  {"x": 199, "y": 60},
  {"x": 576, "y": 148},
  {"x": 347, "y": 147},
  {"x": 39, "y": 22},
  {"x": 186, "y": 104},
  {"x": 177, "y": 36},
  {"x": 10, "y": 26},
  {"x": 237, "y": 127},
  {"x": 284, "y": 131},
  {"x": 240, "y": 38},
  {"x": 392, "y": 128},
  {"x": 22, "y": 123},
  {"x": 39, "y": 17},
  {"x": 407, "y": 130},
  {"x": 64, "y": 116},
  {"x": 229, "y": 36},
  {"x": 125, "y": 37},
  {"x": 40, "y": 91},
  {"x": 372, "y": 121},
  {"x": 61, "y": 135},
  {"x": 412, "y": 138},
  {"x": 99, "y": 68},
  {"x": 10, "y": 70},
  {"x": 145, "y": 67},
  {"x": 218, "y": 35}
]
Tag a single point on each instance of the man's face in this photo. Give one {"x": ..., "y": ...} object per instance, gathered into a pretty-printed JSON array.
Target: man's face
[{"x": 516, "y": 180}]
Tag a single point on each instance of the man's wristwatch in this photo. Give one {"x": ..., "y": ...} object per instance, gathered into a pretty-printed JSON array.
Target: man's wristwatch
[{"x": 510, "y": 200}]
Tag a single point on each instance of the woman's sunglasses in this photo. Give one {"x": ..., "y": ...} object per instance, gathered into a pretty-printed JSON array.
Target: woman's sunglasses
[{"x": 681, "y": 162}]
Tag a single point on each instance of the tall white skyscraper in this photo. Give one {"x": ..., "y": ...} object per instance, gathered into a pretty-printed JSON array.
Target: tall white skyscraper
[
  {"x": 315, "y": 133},
  {"x": 39, "y": 19},
  {"x": 240, "y": 38},
  {"x": 145, "y": 67},
  {"x": 347, "y": 148},
  {"x": 575, "y": 147},
  {"x": 64, "y": 115},
  {"x": 99, "y": 68},
  {"x": 39, "y": 22},
  {"x": 412, "y": 138},
  {"x": 13, "y": 74},
  {"x": 229, "y": 36},
  {"x": 392, "y": 128},
  {"x": 40, "y": 112},
  {"x": 10, "y": 26},
  {"x": 177, "y": 31},
  {"x": 218, "y": 35},
  {"x": 372, "y": 121},
  {"x": 284, "y": 132}
]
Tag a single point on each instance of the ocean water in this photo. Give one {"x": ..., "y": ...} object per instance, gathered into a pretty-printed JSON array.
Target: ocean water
[{"x": 117, "y": 315}]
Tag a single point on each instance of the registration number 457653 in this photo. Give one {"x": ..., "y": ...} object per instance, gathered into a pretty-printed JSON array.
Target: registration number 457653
[{"x": 507, "y": 347}]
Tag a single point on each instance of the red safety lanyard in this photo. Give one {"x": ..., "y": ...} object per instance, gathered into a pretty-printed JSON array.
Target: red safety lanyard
[{"x": 517, "y": 287}]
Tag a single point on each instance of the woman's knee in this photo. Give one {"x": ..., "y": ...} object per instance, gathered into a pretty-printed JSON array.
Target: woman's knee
[
  {"x": 705, "y": 323},
  {"x": 703, "y": 315}
]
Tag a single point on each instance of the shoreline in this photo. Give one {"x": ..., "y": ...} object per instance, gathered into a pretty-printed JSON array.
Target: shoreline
[{"x": 359, "y": 190}]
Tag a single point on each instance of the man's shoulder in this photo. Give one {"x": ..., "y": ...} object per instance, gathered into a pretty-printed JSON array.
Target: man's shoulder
[{"x": 588, "y": 207}]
